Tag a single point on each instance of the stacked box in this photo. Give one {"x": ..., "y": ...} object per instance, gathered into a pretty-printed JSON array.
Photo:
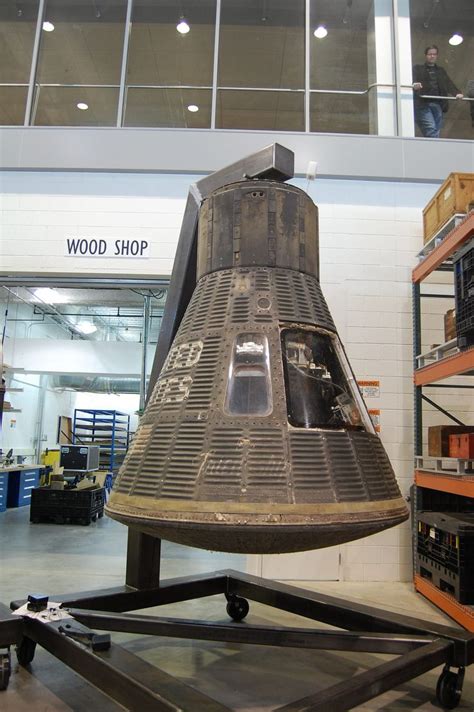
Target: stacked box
[
  {"x": 463, "y": 262},
  {"x": 462, "y": 446},
  {"x": 71, "y": 506},
  {"x": 450, "y": 325},
  {"x": 438, "y": 438},
  {"x": 454, "y": 196},
  {"x": 445, "y": 552}
]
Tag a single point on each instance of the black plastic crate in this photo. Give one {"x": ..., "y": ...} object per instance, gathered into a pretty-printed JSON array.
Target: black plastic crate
[
  {"x": 463, "y": 261},
  {"x": 445, "y": 552},
  {"x": 428, "y": 499},
  {"x": 66, "y": 506}
]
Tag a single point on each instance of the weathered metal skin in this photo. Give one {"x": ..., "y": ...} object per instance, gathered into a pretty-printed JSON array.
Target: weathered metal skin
[{"x": 201, "y": 475}]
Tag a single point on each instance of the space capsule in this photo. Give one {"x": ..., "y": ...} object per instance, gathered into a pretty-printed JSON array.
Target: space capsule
[{"x": 256, "y": 438}]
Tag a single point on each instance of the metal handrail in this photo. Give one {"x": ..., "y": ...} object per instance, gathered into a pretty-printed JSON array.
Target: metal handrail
[{"x": 358, "y": 92}]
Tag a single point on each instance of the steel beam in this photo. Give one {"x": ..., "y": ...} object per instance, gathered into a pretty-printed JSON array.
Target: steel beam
[
  {"x": 132, "y": 682},
  {"x": 287, "y": 637},
  {"x": 367, "y": 685},
  {"x": 172, "y": 591}
]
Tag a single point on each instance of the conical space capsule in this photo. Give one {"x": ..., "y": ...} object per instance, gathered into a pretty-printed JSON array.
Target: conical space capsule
[{"x": 256, "y": 438}]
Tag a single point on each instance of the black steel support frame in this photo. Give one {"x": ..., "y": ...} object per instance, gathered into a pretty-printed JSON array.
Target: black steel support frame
[{"x": 419, "y": 645}]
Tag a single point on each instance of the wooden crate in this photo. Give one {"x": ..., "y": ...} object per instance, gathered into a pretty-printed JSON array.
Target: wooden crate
[
  {"x": 462, "y": 446},
  {"x": 438, "y": 438},
  {"x": 450, "y": 325},
  {"x": 454, "y": 196}
]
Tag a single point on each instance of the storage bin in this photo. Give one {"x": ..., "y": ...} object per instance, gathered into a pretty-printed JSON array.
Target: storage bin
[
  {"x": 454, "y": 196},
  {"x": 463, "y": 263},
  {"x": 445, "y": 552},
  {"x": 73, "y": 506}
]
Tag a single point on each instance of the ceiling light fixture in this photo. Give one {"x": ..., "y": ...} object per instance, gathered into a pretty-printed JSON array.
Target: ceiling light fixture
[
  {"x": 455, "y": 39},
  {"x": 320, "y": 32},
  {"x": 193, "y": 108},
  {"x": 48, "y": 26},
  {"x": 183, "y": 27},
  {"x": 49, "y": 296},
  {"x": 82, "y": 106},
  {"x": 86, "y": 327}
]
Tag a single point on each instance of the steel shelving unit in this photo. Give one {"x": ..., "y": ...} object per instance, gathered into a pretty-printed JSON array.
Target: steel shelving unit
[
  {"x": 432, "y": 482},
  {"x": 110, "y": 429}
]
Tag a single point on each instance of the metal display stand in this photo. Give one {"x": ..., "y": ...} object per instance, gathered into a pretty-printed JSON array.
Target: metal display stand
[{"x": 67, "y": 629}]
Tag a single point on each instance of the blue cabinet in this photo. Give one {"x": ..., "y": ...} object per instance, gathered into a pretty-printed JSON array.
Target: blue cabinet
[
  {"x": 20, "y": 484},
  {"x": 3, "y": 490}
]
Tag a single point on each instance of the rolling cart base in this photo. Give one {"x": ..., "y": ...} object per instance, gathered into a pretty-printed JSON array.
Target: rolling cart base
[{"x": 418, "y": 645}]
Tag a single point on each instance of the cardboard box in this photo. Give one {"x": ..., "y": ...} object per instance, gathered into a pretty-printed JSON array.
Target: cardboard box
[
  {"x": 450, "y": 325},
  {"x": 454, "y": 196},
  {"x": 462, "y": 446},
  {"x": 56, "y": 482},
  {"x": 438, "y": 438}
]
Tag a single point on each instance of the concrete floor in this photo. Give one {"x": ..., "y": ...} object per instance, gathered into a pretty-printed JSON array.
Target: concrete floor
[{"x": 48, "y": 558}]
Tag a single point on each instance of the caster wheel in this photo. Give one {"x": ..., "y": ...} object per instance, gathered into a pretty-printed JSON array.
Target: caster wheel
[
  {"x": 448, "y": 691},
  {"x": 5, "y": 670},
  {"x": 237, "y": 608},
  {"x": 25, "y": 651}
]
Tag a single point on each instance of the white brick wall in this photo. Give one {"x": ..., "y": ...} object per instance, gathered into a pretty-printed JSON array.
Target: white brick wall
[{"x": 370, "y": 233}]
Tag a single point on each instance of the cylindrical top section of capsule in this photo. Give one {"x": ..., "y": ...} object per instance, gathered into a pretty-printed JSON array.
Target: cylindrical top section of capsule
[{"x": 258, "y": 223}]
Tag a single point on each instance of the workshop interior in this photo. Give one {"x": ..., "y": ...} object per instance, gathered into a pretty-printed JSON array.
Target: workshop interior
[{"x": 237, "y": 315}]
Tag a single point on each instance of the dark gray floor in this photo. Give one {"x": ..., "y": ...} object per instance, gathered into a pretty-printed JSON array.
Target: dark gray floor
[{"x": 52, "y": 559}]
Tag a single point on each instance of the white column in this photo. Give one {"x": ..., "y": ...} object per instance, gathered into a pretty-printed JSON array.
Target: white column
[
  {"x": 382, "y": 98},
  {"x": 404, "y": 58}
]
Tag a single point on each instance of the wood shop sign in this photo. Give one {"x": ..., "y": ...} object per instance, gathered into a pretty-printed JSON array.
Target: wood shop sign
[{"x": 106, "y": 247}]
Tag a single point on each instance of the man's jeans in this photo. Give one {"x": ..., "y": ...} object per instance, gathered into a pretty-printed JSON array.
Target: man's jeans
[{"x": 429, "y": 117}]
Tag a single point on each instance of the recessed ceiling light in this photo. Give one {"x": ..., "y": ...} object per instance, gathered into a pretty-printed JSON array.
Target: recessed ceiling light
[
  {"x": 86, "y": 327},
  {"x": 82, "y": 106},
  {"x": 49, "y": 296},
  {"x": 320, "y": 32},
  {"x": 193, "y": 108},
  {"x": 48, "y": 26},
  {"x": 455, "y": 39},
  {"x": 183, "y": 27}
]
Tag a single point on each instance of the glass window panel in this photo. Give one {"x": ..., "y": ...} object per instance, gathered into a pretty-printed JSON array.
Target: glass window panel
[
  {"x": 85, "y": 48},
  {"x": 168, "y": 107},
  {"x": 340, "y": 113},
  {"x": 17, "y": 36},
  {"x": 320, "y": 387},
  {"x": 249, "y": 388},
  {"x": 435, "y": 23},
  {"x": 57, "y": 106},
  {"x": 160, "y": 55},
  {"x": 12, "y": 105},
  {"x": 339, "y": 60},
  {"x": 269, "y": 111},
  {"x": 262, "y": 44}
]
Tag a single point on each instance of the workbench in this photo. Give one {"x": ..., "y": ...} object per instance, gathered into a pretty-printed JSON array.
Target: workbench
[{"x": 16, "y": 483}]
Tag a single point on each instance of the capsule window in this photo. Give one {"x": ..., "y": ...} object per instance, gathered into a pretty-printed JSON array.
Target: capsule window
[
  {"x": 249, "y": 388},
  {"x": 321, "y": 391}
]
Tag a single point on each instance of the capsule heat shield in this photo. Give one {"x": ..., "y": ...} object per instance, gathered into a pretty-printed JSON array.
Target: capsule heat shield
[{"x": 256, "y": 438}]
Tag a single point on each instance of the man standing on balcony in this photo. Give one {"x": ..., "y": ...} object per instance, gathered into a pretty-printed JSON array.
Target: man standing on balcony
[{"x": 431, "y": 80}]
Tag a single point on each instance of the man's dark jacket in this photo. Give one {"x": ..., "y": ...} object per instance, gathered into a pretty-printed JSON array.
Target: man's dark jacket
[{"x": 446, "y": 86}]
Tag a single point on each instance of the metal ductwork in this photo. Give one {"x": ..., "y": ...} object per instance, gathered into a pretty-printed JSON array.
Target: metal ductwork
[{"x": 96, "y": 384}]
